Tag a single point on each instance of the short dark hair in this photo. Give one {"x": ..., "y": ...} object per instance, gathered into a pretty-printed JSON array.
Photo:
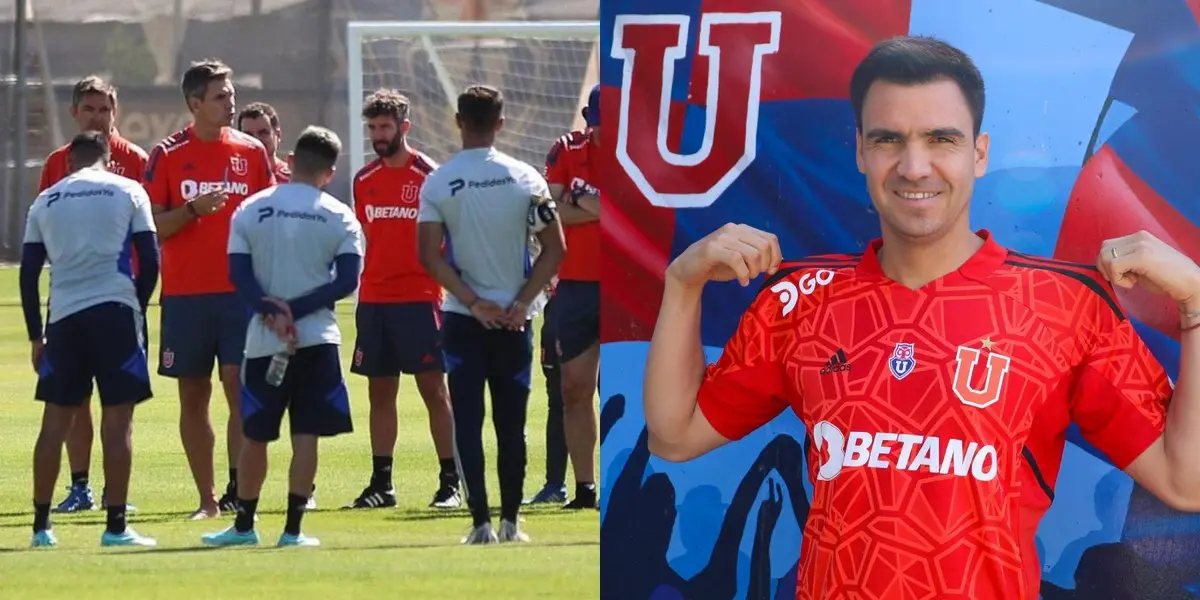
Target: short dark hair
[
  {"x": 256, "y": 110},
  {"x": 386, "y": 103},
  {"x": 200, "y": 74},
  {"x": 316, "y": 151},
  {"x": 93, "y": 84},
  {"x": 480, "y": 107},
  {"x": 86, "y": 149},
  {"x": 918, "y": 60}
]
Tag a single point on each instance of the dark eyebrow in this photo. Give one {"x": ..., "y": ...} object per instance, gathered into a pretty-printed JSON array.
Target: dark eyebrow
[
  {"x": 951, "y": 132},
  {"x": 878, "y": 133}
]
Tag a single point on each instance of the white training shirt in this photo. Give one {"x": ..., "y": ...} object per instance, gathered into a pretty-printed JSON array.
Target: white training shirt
[
  {"x": 293, "y": 233},
  {"x": 483, "y": 199},
  {"x": 86, "y": 221}
]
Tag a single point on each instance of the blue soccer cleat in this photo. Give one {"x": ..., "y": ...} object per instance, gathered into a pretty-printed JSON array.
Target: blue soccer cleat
[
  {"x": 44, "y": 539},
  {"x": 128, "y": 537},
  {"x": 231, "y": 537},
  {"x": 551, "y": 493},
  {"x": 79, "y": 498},
  {"x": 300, "y": 540}
]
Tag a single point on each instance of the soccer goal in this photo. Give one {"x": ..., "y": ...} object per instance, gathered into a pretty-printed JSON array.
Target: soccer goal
[{"x": 544, "y": 69}]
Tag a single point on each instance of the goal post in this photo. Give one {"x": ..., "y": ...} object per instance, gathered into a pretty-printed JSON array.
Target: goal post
[{"x": 544, "y": 69}]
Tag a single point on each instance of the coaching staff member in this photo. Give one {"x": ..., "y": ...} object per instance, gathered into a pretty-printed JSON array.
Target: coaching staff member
[{"x": 490, "y": 206}]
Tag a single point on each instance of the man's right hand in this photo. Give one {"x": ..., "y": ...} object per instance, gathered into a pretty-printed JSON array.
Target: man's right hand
[
  {"x": 732, "y": 252},
  {"x": 207, "y": 204},
  {"x": 37, "y": 349},
  {"x": 489, "y": 313}
]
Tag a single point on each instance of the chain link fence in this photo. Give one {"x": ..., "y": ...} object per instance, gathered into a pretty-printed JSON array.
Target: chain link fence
[{"x": 288, "y": 53}]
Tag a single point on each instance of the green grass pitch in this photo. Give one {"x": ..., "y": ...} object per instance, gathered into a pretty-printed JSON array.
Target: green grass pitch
[{"x": 411, "y": 550}]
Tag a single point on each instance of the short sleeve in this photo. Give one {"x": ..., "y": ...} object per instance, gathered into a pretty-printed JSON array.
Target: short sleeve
[
  {"x": 556, "y": 171},
  {"x": 744, "y": 389},
  {"x": 137, "y": 162},
  {"x": 352, "y": 242},
  {"x": 266, "y": 170},
  {"x": 543, "y": 212},
  {"x": 156, "y": 180},
  {"x": 239, "y": 242},
  {"x": 430, "y": 212},
  {"x": 1120, "y": 395},
  {"x": 143, "y": 218},
  {"x": 33, "y": 232}
]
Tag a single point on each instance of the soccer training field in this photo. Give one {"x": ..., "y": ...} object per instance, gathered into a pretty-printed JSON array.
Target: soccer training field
[{"x": 411, "y": 550}]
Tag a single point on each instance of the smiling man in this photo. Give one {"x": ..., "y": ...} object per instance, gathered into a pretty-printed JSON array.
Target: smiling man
[{"x": 937, "y": 372}]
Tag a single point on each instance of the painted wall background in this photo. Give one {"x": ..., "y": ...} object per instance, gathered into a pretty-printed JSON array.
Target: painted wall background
[{"x": 1094, "y": 111}]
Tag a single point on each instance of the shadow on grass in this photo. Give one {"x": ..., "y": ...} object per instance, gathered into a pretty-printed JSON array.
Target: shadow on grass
[{"x": 97, "y": 518}]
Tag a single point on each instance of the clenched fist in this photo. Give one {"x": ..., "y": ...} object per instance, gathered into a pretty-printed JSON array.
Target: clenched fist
[
  {"x": 732, "y": 252},
  {"x": 1143, "y": 260}
]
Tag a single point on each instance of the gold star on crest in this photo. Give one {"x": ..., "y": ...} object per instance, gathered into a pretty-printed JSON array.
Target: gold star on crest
[{"x": 988, "y": 343}]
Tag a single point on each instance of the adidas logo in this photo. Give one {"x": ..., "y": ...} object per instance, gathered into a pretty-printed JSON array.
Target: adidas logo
[{"x": 837, "y": 363}]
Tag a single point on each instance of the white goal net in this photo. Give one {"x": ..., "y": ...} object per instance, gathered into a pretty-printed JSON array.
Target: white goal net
[{"x": 544, "y": 69}]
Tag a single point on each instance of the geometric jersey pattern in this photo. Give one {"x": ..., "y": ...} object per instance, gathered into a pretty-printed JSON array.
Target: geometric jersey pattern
[{"x": 934, "y": 453}]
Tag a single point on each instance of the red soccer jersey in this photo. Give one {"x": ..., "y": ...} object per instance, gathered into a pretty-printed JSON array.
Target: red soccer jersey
[
  {"x": 387, "y": 201},
  {"x": 282, "y": 173},
  {"x": 936, "y": 417},
  {"x": 126, "y": 160},
  {"x": 569, "y": 164},
  {"x": 182, "y": 167}
]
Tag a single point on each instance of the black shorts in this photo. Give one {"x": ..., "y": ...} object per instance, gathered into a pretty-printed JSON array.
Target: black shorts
[
  {"x": 577, "y": 316},
  {"x": 41, "y": 391},
  {"x": 313, "y": 394},
  {"x": 391, "y": 339},
  {"x": 104, "y": 343},
  {"x": 475, "y": 354},
  {"x": 549, "y": 350},
  {"x": 198, "y": 329}
]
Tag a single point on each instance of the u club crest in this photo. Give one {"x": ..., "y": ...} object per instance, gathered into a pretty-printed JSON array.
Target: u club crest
[{"x": 902, "y": 361}]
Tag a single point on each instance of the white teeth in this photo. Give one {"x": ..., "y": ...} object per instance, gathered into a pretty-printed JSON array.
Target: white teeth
[{"x": 916, "y": 195}]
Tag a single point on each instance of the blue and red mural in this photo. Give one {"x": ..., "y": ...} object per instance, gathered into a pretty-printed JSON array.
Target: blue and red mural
[{"x": 736, "y": 110}]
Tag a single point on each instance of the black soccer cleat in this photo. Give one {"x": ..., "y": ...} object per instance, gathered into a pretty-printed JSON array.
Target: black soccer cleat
[{"x": 374, "y": 497}]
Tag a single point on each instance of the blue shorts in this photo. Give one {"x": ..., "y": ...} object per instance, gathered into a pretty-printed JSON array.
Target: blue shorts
[
  {"x": 313, "y": 394},
  {"x": 577, "y": 317},
  {"x": 391, "y": 339},
  {"x": 104, "y": 343},
  {"x": 198, "y": 329}
]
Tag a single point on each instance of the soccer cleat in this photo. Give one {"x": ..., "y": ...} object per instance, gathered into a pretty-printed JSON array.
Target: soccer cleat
[
  {"x": 79, "y": 498},
  {"x": 446, "y": 498},
  {"x": 129, "y": 508},
  {"x": 300, "y": 540},
  {"x": 44, "y": 539},
  {"x": 483, "y": 534},
  {"x": 510, "y": 532},
  {"x": 551, "y": 493},
  {"x": 228, "y": 502},
  {"x": 373, "y": 497},
  {"x": 230, "y": 537},
  {"x": 312, "y": 503},
  {"x": 128, "y": 537}
]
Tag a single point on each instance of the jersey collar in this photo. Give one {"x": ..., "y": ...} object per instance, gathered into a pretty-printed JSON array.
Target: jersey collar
[{"x": 987, "y": 259}]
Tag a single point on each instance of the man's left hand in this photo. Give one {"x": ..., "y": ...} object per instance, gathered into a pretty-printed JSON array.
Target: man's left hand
[
  {"x": 516, "y": 315},
  {"x": 1142, "y": 259}
]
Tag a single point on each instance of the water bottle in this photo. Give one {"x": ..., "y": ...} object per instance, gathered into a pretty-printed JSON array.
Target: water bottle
[{"x": 277, "y": 369}]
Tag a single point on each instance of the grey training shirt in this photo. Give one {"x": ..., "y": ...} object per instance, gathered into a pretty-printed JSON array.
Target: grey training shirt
[
  {"x": 483, "y": 199},
  {"x": 86, "y": 221},
  {"x": 293, "y": 233}
]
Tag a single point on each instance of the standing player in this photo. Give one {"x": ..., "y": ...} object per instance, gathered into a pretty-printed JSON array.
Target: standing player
[
  {"x": 260, "y": 120},
  {"x": 938, "y": 438},
  {"x": 555, "y": 490},
  {"x": 94, "y": 108},
  {"x": 281, "y": 245},
  {"x": 399, "y": 314},
  {"x": 85, "y": 226},
  {"x": 489, "y": 206},
  {"x": 571, "y": 173},
  {"x": 196, "y": 178}
]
